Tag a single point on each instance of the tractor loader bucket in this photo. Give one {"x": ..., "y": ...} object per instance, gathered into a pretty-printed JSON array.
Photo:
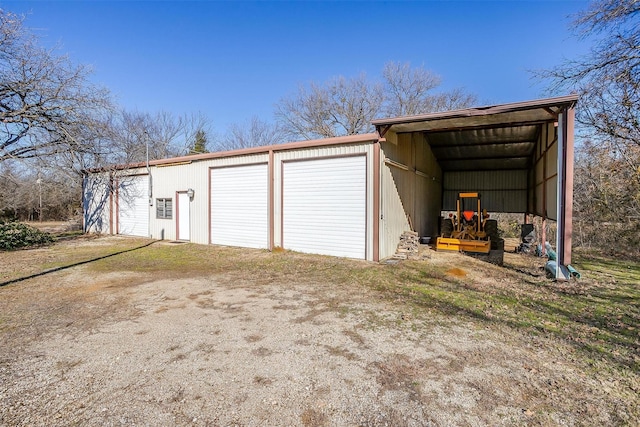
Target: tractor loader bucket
[{"x": 451, "y": 244}]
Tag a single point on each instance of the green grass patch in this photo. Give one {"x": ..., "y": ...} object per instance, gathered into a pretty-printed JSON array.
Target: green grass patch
[{"x": 599, "y": 314}]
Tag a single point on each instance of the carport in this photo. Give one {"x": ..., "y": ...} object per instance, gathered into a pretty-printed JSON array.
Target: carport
[{"x": 519, "y": 156}]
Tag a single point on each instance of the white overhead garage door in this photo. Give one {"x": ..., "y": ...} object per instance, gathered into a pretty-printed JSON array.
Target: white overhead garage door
[
  {"x": 324, "y": 206},
  {"x": 239, "y": 206},
  {"x": 133, "y": 205}
]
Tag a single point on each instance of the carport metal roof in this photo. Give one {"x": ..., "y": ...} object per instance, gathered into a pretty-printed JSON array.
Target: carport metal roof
[
  {"x": 503, "y": 137},
  {"x": 498, "y": 137}
]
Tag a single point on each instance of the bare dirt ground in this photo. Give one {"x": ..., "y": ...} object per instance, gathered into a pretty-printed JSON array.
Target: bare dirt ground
[{"x": 107, "y": 348}]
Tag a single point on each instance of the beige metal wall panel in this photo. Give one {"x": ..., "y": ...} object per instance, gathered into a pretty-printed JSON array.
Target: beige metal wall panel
[
  {"x": 428, "y": 176},
  {"x": 545, "y": 172},
  {"x": 411, "y": 190},
  {"x": 539, "y": 170},
  {"x": 325, "y": 152},
  {"x": 97, "y": 202},
  {"x": 393, "y": 219},
  {"x": 539, "y": 204},
  {"x": 397, "y": 192},
  {"x": 501, "y": 191},
  {"x": 552, "y": 198},
  {"x": 168, "y": 179},
  {"x": 531, "y": 185},
  {"x": 552, "y": 161}
]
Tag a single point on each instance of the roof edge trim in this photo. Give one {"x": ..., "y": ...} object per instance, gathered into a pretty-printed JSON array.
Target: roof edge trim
[
  {"x": 567, "y": 100},
  {"x": 339, "y": 140}
]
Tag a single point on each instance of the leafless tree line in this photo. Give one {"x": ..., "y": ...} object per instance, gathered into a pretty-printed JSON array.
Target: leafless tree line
[
  {"x": 607, "y": 171},
  {"x": 346, "y": 106},
  {"x": 54, "y": 122}
]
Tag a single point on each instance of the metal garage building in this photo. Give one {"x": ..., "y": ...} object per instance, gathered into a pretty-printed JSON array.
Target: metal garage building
[{"x": 350, "y": 196}]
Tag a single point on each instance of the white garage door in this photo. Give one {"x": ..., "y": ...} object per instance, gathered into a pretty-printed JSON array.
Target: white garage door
[
  {"x": 133, "y": 205},
  {"x": 239, "y": 206},
  {"x": 324, "y": 206}
]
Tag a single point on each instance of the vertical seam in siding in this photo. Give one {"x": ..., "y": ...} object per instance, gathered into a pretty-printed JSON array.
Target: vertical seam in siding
[
  {"x": 376, "y": 201},
  {"x": 271, "y": 201}
]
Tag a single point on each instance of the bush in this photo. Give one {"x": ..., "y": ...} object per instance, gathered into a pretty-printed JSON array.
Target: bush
[{"x": 14, "y": 235}]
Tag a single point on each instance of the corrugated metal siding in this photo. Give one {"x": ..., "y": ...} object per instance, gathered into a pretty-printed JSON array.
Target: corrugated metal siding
[
  {"x": 552, "y": 198},
  {"x": 393, "y": 220},
  {"x": 324, "y": 206},
  {"x": 171, "y": 178},
  {"x": 323, "y": 152},
  {"x": 501, "y": 191},
  {"x": 410, "y": 188},
  {"x": 167, "y": 179},
  {"x": 96, "y": 200},
  {"x": 545, "y": 170}
]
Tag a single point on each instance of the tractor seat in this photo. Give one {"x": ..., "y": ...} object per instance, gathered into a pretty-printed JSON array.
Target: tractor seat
[{"x": 468, "y": 215}]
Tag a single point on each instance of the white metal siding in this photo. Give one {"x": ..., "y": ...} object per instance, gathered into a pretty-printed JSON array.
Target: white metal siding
[
  {"x": 97, "y": 203},
  {"x": 169, "y": 179},
  {"x": 324, "y": 206},
  {"x": 133, "y": 205},
  {"x": 239, "y": 206}
]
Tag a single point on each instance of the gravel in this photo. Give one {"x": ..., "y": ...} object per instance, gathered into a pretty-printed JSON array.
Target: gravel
[{"x": 118, "y": 349}]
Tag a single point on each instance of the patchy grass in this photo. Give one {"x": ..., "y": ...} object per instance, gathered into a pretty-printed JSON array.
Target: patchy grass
[
  {"x": 599, "y": 315},
  {"x": 589, "y": 327},
  {"x": 23, "y": 263}
]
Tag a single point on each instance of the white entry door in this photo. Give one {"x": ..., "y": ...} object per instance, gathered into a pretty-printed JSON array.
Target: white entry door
[{"x": 182, "y": 220}]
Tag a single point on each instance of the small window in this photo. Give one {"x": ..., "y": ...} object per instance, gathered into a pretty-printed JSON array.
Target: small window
[{"x": 164, "y": 209}]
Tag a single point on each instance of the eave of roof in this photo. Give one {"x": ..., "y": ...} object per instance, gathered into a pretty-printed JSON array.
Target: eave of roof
[
  {"x": 340, "y": 140},
  {"x": 497, "y": 137},
  {"x": 547, "y": 103}
]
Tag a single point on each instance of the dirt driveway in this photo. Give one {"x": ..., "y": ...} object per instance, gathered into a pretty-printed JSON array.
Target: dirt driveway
[{"x": 95, "y": 346}]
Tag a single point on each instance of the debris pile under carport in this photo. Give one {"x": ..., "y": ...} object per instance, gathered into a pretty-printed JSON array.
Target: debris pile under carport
[{"x": 409, "y": 247}]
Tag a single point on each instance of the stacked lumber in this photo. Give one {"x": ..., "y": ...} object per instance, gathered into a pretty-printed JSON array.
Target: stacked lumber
[{"x": 409, "y": 247}]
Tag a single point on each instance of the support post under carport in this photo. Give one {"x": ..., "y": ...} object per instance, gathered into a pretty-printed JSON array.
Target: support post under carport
[{"x": 565, "y": 191}]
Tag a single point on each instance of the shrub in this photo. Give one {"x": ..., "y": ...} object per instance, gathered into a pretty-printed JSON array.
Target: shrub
[{"x": 14, "y": 235}]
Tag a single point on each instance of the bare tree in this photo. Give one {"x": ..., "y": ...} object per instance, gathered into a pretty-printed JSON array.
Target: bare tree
[
  {"x": 408, "y": 89},
  {"x": 254, "y": 133},
  {"x": 411, "y": 90},
  {"x": 346, "y": 106},
  {"x": 607, "y": 196},
  {"x": 608, "y": 78},
  {"x": 46, "y": 101},
  {"x": 340, "y": 107},
  {"x": 194, "y": 126},
  {"x": 164, "y": 134}
]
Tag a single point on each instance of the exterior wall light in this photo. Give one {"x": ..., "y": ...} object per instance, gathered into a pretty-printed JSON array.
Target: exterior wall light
[{"x": 190, "y": 193}]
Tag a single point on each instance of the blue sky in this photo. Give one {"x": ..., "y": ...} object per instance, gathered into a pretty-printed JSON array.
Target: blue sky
[{"x": 234, "y": 60}]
